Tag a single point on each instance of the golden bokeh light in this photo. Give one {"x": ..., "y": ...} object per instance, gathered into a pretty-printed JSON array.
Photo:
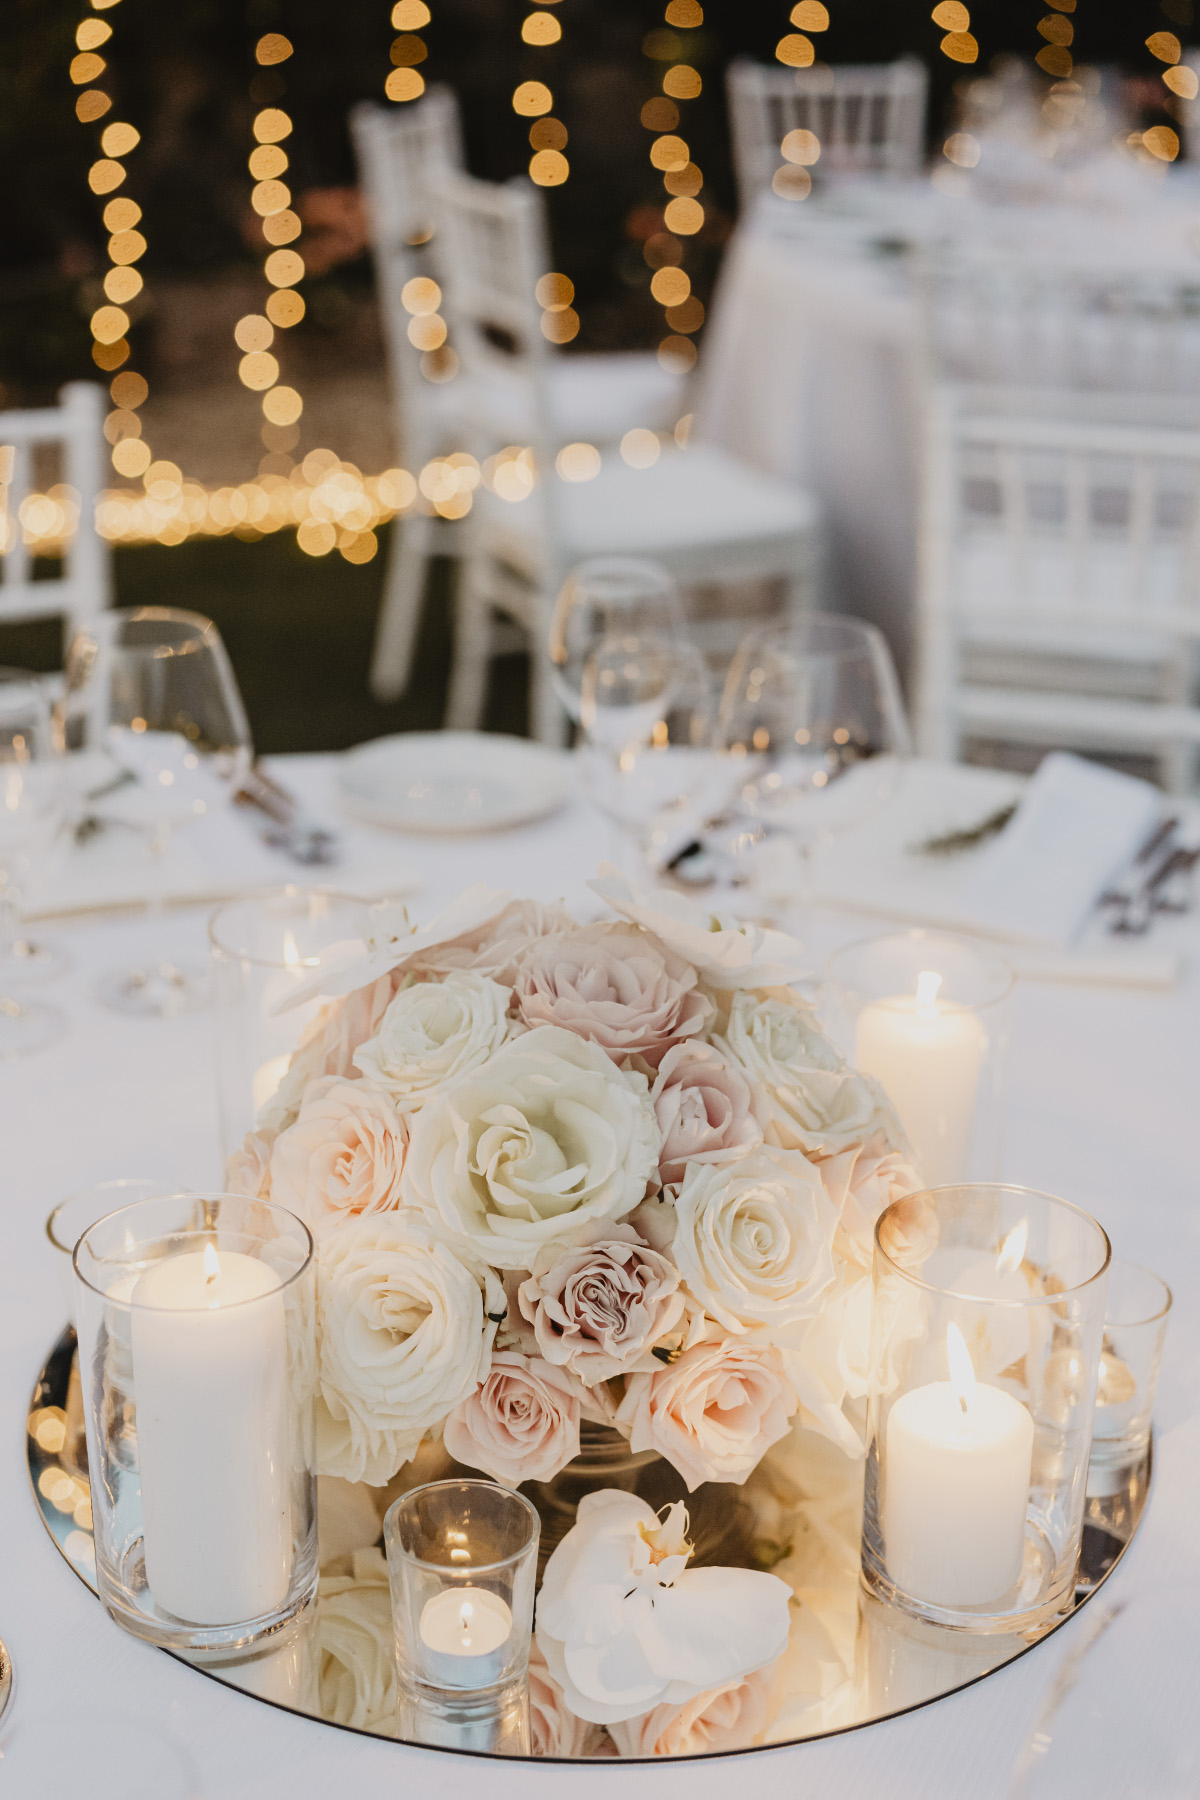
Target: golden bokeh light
[
  {"x": 554, "y": 292},
  {"x": 108, "y": 324},
  {"x": 532, "y": 98},
  {"x": 267, "y": 161},
  {"x": 270, "y": 197},
  {"x": 669, "y": 153},
  {"x": 358, "y": 546},
  {"x": 119, "y": 139},
  {"x": 282, "y": 406},
  {"x": 687, "y": 316},
  {"x": 685, "y": 182},
  {"x": 685, "y": 15},
  {"x": 683, "y": 429},
  {"x": 1161, "y": 142},
  {"x": 541, "y": 28},
  {"x": 670, "y": 286},
  {"x": 253, "y": 332},
  {"x": 420, "y": 296},
  {"x": 282, "y": 228},
  {"x": 660, "y": 114},
  {"x": 410, "y": 15},
  {"x": 407, "y": 51},
  {"x": 104, "y": 176},
  {"x": 951, "y": 15},
  {"x": 795, "y": 51},
  {"x": 1165, "y": 45},
  {"x": 126, "y": 247},
  {"x": 439, "y": 366},
  {"x": 662, "y": 251},
  {"x": 284, "y": 268},
  {"x": 1182, "y": 82},
  {"x": 92, "y": 33},
  {"x": 640, "y": 448},
  {"x": 110, "y": 356},
  {"x": 92, "y": 105},
  {"x": 548, "y": 168},
  {"x": 121, "y": 215},
  {"x": 1057, "y": 30},
  {"x": 129, "y": 389},
  {"x": 561, "y": 326},
  {"x": 131, "y": 457},
  {"x": 1053, "y": 59},
  {"x": 803, "y": 147},
  {"x": 578, "y": 462},
  {"x": 677, "y": 354},
  {"x": 316, "y": 537},
  {"x": 404, "y": 84},
  {"x": 122, "y": 284},
  {"x": 273, "y": 48},
  {"x": 120, "y": 425},
  {"x": 285, "y": 308},
  {"x": 682, "y": 82},
  {"x": 271, "y": 126},
  {"x": 791, "y": 182},
  {"x": 163, "y": 479},
  {"x": 259, "y": 370},
  {"x": 961, "y": 47},
  {"x": 86, "y": 68},
  {"x": 683, "y": 217},
  {"x": 427, "y": 332},
  {"x": 961, "y": 149},
  {"x": 547, "y": 134},
  {"x": 810, "y": 15},
  {"x": 662, "y": 46}
]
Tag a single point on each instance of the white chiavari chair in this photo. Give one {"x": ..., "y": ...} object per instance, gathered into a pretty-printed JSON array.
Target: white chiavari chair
[{"x": 72, "y": 434}]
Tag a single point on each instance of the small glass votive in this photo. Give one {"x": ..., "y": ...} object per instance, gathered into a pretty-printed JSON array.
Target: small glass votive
[
  {"x": 987, "y": 1322},
  {"x": 72, "y": 1216},
  {"x": 926, "y": 1014},
  {"x": 1135, "y": 1324},
  {"x": 263, "y": 949},
  {"x": 462, "y": 1562},
  {"x": 197, "y": 1359}
]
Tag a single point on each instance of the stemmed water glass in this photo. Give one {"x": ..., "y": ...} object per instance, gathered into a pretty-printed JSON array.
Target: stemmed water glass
[
  {"x": 151, "y": 701},
  {"x": 647, "y": 709},
  {"x": 603, "y": 597},
  {"x": 812, "y": 720},
  {"x": 31, "y": 813}
]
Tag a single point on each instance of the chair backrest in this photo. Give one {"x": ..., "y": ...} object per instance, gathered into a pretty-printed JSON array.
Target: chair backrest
[
  {"x": 869, "y": 118},
  {"x": 76, "y": 429},
  {"x": 994, "y": 319},
  {"x": 399, "y": 153}
]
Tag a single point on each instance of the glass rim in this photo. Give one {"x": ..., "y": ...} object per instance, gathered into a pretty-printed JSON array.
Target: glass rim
[
  {"x": 441, "y": 1569},
  {"x": 1149, "y": 1318},
  {"x": 200, "y": 1195},
  {"x": 862, "y": 638},
  {"x": 999, "y": 1187},
  {"x": 1002, "y": 967},
  {"x": 108, "y": 622},
  {"x": 272, "y": 893},
  {"x": 114, "y": 1181}
]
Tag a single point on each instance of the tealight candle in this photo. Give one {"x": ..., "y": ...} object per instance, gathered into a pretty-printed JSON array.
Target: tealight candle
[
  {"x": 209, "y": 1344},
  {"x": 928, "y": 1055},
  {"x": 959, "y": 1457},
  {"x": 464, "y": 1637}
]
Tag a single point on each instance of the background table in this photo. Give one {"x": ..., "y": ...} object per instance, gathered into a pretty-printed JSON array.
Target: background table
[{"x": 1103, "y": 1104}]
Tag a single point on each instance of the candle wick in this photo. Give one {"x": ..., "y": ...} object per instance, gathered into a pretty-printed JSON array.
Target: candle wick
[{"x": 962, "y": 1401}]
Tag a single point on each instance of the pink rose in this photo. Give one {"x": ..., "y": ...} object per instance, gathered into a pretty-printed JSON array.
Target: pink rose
[
  {"x": 520, "y": 1424},
  {"x": 344, "y": 1155},
  {"x": 714, "y": 1413},
  {"x": 554, "y": 1730},
  {"x": 862, "y": 1182},
  {"x": 597, "y": 1307},
  {"x": 328, "y": 1045},
  {"x": 496, "y": 948},
  {"x": 248, "y": 1170},
  {"x": 730, "y": 1717},
  {"x": 615, "y": 986},
  {"x": 705, "y": 1110}
]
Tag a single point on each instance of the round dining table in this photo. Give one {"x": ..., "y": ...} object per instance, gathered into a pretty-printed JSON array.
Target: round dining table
[{"x": 1102, "y": 1100}]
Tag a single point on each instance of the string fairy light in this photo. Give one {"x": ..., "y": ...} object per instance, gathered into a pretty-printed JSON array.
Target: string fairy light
[
  {"x": 800, "y": 149},
  {"x": 548, "y": 167},
  {"x": 1181, "y": 82},
  {"x": 954, "y": 20},
  {"x": 405, "y": 82},
  {"x": 683, "y": 214}
]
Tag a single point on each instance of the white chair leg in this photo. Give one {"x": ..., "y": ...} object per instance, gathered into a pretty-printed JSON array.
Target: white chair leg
[
  {"x": 400, "y": 611},
  {"x": 472, "y": 649}
]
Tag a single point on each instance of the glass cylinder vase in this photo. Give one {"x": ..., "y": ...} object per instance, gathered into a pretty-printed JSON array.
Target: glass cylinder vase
[
  {"x": 926, "y": 1014},
  {"x": 264, "y": 949},
  {"x": 987, "y": 1325},
  {"x": 197, "y": 1358}
]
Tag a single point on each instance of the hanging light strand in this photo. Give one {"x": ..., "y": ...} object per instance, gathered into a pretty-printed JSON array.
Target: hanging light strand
[
  {"x": 548, "y": 167},
  {"x": 405, "y": 82},
  {"x": 953, "y": 19},
  {"x": 111, "y": 322},
  {"x": 683, "y": 214},
  {"x": 800, "y": 149},
  {"x": 1182, "y": 84}
]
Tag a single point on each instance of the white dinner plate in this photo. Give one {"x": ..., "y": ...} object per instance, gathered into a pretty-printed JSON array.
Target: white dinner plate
[{"x": 450, "y": 782}]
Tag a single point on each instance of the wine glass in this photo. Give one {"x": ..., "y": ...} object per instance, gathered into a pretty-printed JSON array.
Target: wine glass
[
  {"x": 152, "y": 703},
  {"x": 604, "y": 595},
  {"x": 32, "y": 808},
  {"x": 812, "y": 720},
  {"x": 647, "y": 710}
]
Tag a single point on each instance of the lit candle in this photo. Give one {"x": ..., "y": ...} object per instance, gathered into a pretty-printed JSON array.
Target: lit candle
[
  {"x": 464, "y": 1637},
  {"x": 956, "y": 1487},
  {"x": 927, "y": 1053},
  {"x": 209, "y": 1342}
]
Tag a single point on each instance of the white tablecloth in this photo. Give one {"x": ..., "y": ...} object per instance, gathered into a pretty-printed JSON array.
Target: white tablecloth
[
  {"x": 811, "y": 364},
  {"x": 1103, "y": 1099}
]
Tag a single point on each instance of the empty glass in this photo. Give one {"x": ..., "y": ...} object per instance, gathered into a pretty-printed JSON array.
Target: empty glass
[
  {"x": 31, "y": 813},
  {"x": 1135, "y": 1323},
  {"x": 80, "y": 1210},
  {"x": 604, "y": 596},
  {"x": 152, "y": 702}
]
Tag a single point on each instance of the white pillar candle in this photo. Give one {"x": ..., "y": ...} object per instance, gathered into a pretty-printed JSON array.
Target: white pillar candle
[
  {"x": 956, "y": 1487},
  {"x": 209, "y": 1342},
  {"x": 464, "y": 1637},
  {"x": 927, "y": 1053}
]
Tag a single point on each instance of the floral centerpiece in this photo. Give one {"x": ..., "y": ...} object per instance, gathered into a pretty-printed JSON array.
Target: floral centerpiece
[{"x": 557, "y": 1172}]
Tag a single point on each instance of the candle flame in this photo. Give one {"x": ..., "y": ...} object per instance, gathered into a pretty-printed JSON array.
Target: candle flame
[
  {"x": 1012, "y": 1250},
  {"x": 962, "y": 1370},
  {"x": 212, "y": 1265},
  {"x": 466, "y": 1613},
  {"x": 928, "y": 983},
  {"x": 291, "y": 955}
]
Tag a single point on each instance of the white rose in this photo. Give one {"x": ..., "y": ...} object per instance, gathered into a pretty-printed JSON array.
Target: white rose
[
  {"x": 342, "y": 1157},
  {"x": 357, "y": 1673},
  {"x": 811, "y": 1099},
  {"x": 432, "y": 1033},
  {"x": 544, "y": 1140},
  {"x": 754, "y": 1239},
  {"x": 404, "y": 1335}
]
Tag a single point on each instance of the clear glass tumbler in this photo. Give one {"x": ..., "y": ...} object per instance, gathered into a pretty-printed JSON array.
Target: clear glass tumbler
[
  {"x": 263, "y": 950},
  {"x": 197, "y": 1357},
  {"x": 986, "y": 1336},
  {"x": 1135, "y": 1324},
  {"x": 927, "y": 1014},
  {"x": 462, "y": 1563},
  {"x": 72, "y": 1216}
]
